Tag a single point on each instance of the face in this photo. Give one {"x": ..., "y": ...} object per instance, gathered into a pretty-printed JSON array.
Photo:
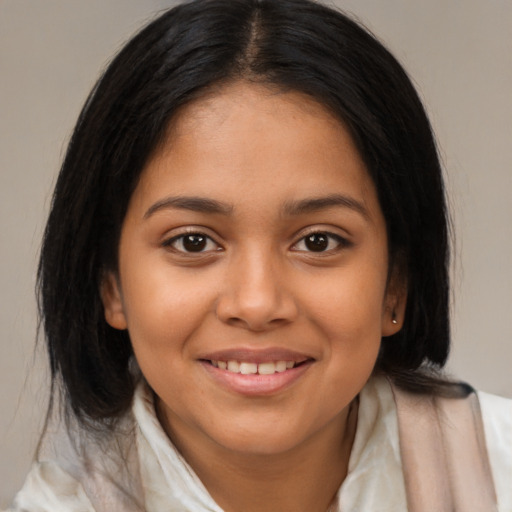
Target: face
[{"x": 253, "y": 272}]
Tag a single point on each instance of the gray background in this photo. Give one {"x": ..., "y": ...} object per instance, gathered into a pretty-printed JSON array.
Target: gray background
[{"x": 459, "y": 53}]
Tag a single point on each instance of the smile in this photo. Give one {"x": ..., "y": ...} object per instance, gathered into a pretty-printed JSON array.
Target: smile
[
  {"x": 251, "y": 368},
  {"x": 256, "y": 372}
]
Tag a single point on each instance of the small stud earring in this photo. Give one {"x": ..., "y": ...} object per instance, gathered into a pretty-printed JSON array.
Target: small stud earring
[{"x": 393, "y": 319}]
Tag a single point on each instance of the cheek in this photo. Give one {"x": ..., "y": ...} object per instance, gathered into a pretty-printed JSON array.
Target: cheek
[
  {"x": 348, "y": 311},
  {"x": 163, "y": 310},
  {"x": 349, "y": 307},
  {"x": 161, "y": 327}
]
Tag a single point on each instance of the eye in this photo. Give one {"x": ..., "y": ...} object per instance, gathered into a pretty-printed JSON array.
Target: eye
[
  {"x": 320, "y": 241},
  {"x": 192, "y": 243}
]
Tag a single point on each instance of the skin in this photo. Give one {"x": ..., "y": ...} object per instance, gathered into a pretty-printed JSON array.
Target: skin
[{"x": 257, "y": 285}]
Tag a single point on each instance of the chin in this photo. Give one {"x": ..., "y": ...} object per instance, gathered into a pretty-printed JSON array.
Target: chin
[
  {"x": 268, "y": 436},
  {"x": 260, "y": 443}
]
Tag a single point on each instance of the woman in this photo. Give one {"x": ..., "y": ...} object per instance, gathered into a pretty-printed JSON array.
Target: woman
[{"x": 244, "y": 282}]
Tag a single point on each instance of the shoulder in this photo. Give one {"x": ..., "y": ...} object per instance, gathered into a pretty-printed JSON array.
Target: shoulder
[
  {"x": 497, "y": 416},
  {"x": 48, "y": 488},
  {"x": 53, "y": 483},
  {"x": 497, "y": 419},
  {"x": 445, "y": 423},
  {"x": 81, "y": 470}
]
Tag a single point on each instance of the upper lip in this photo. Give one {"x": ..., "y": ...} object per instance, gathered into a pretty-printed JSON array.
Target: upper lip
[{"x": 256, "y": 355}]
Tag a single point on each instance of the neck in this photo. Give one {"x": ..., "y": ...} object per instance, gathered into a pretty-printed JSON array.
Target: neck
[{"x": 305, "y": 478}]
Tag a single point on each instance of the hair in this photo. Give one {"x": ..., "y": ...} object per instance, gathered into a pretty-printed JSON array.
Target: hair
[{"x": 297, "y": 45}]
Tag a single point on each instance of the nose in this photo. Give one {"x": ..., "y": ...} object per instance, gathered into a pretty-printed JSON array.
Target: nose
[{"x": 255, "y": 295}]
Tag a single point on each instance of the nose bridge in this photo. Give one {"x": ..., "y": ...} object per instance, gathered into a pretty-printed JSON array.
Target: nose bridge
[
  {"x": 254, "y": 294},
  {"x": 258, "y": 285}
]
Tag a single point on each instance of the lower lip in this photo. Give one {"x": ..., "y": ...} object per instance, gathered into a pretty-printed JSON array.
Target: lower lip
[{"x": 255, "y": 384}]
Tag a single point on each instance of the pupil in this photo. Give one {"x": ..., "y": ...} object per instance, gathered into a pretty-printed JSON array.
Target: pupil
[
  {"x": 194, "y": 243},
  {"x": 317, "y": 242}
]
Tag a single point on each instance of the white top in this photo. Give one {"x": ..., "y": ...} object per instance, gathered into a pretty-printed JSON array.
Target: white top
[{"x": 374, "y": 481}]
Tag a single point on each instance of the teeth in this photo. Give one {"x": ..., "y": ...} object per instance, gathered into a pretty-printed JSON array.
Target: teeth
[
  {"x": 248, "y": 368},
  {"x": 282, "y": 365},
  {"x": 266, "y": 368},
  {"x": 234, "y": 366},
  {"x": 245, "y": 368}
]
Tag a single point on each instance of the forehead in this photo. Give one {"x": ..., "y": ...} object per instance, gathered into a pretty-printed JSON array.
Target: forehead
[
  {"x": 247, "y": 142},
  {"x": 223, "y": 102}
]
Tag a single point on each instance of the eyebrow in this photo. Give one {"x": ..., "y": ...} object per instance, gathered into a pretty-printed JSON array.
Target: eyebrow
[
  {"x": 291, "y": 208},
  {"x": 322, "y": 203},
  {"x": 192, "y": 203}
]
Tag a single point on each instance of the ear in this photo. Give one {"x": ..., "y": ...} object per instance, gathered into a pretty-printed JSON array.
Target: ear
[
  {"x": 394, "y": 303},
  {"x": 112, "y": 301}
]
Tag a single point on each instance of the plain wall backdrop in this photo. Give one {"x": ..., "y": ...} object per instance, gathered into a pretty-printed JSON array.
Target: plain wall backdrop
[{"x": 459, "y": 54}]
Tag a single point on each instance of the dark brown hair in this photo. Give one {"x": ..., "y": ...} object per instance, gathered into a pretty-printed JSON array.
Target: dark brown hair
[{"x": 293, "y": 44}]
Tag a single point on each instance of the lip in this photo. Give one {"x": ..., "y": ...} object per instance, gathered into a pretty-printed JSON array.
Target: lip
[
  {"x": 255, "y": 384},
  {"x": 256, "y": 355}
]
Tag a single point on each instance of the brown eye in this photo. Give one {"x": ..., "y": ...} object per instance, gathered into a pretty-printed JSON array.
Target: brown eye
[
  {"x": 192, "y": 243},
  {"x": 317, "y": 242},
  {"x": 321, "y": 241}
]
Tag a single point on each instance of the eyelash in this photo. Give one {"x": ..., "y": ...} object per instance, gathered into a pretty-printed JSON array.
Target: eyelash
[
  {"x": 339, "y": 241},
  {"x": 181, "y": 238}
]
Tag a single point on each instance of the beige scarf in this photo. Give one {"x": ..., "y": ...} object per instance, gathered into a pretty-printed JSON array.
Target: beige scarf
[
  {"x": 442, "y": 445},
  {"x": 444, "y": 455}
]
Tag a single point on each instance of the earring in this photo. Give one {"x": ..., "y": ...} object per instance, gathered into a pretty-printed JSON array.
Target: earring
[{"x": 393, "y": 318}]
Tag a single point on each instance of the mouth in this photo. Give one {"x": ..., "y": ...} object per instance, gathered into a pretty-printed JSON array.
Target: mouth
[
  {"x": 254, "y": 368},
  {"x": 260, "y": 372}
]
